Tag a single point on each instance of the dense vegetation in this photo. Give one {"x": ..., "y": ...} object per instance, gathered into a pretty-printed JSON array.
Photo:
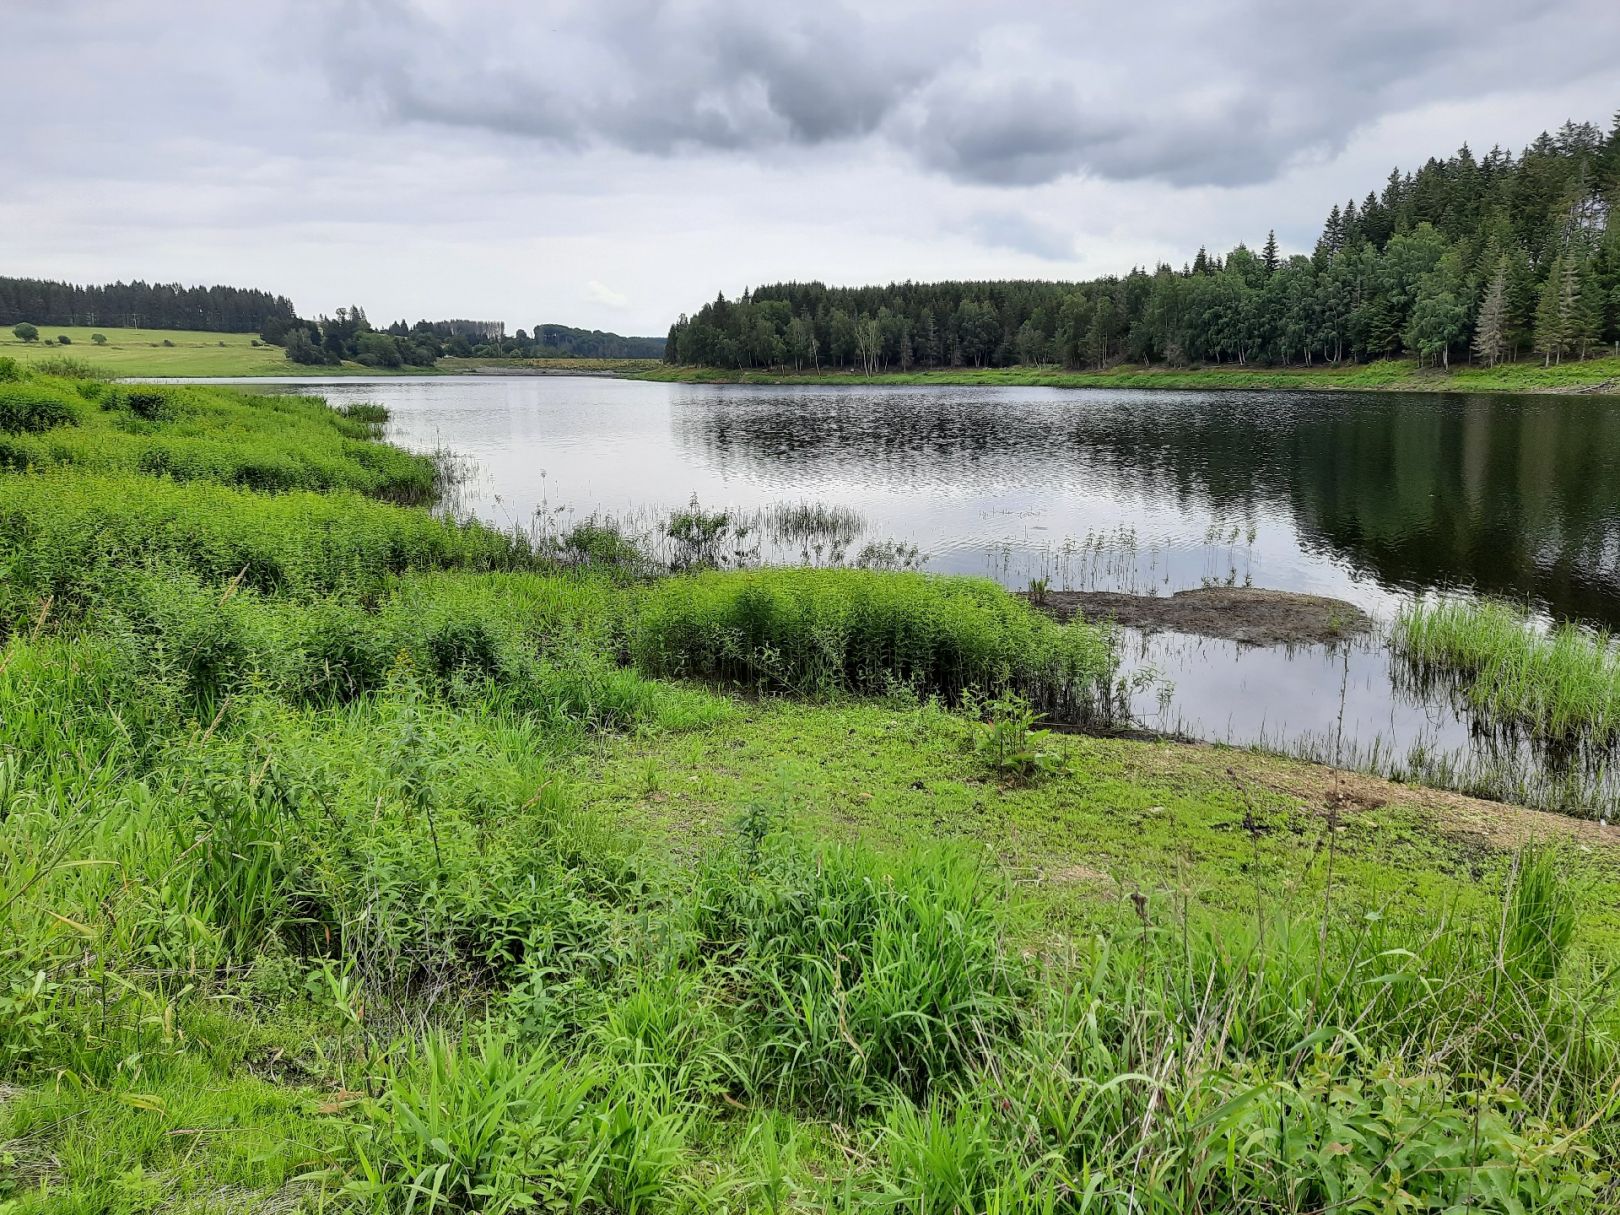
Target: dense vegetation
[
  {"x": 352, "y": 859},
  {"x": 349, "y": 335},
  {"x": 26, "y": 304},
  {"x": 1489, "y": 259},
  {"x": 1562, "y": 685},
  {"x": 139, "y": 305}
]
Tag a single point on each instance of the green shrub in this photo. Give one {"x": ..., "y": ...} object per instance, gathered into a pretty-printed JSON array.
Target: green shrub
[{"x": 27, "y": 407}]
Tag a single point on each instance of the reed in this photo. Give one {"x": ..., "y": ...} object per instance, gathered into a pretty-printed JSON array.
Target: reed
[{"x": 1563, "y": 683}]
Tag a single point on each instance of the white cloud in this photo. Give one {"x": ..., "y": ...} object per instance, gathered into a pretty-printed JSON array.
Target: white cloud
[{"x": 601, "y": 293}]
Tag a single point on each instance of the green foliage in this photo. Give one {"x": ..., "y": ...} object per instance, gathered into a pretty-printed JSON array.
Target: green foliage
[
  {"x": 24, "y": 332},
  {"x": 824, "y": 631},
  {"x": 1563, "y": 684},
  {"x": 67, "y": 536},
  {"x": 27, "y": 407},
  {"x": 490, "y": 1125},
  {"x": 269, "y": 443},
  {"x": 318, "y": 886},
  {"x": 1010, "y": 745},
  {"x": 1405, "y": 268},
  {"x": 860, "y": 975}
]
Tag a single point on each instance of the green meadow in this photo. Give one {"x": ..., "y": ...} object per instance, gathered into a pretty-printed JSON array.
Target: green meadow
[
  {"x": 159, "y": 352},
  {"x": 356, "y": 859}
]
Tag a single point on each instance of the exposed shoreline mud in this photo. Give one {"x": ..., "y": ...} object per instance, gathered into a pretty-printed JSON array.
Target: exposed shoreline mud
[{"x": 1247, "y": 615}]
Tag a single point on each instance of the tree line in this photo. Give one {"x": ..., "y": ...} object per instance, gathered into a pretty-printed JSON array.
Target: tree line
[
  {"x": 1491, "y": 259},
  {"x": 350, "y": 336},
  {"x": 140, "y": 305}
]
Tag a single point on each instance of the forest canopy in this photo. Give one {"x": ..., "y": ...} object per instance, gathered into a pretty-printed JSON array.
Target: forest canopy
[
  {"x": 1491, "y": 259},
  {"x": 140, "y": 305}
]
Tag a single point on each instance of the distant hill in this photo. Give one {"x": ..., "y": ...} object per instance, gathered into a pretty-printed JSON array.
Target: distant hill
[{"x": 564, "y": 341}]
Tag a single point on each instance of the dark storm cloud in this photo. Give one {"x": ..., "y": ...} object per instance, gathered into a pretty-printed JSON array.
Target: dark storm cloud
[{"x": 1017, "y": 95}]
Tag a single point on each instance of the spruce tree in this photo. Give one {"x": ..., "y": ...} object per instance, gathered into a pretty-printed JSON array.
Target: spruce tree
[
  {"x": 1552, "y": 332},
  {"x": 1490, "y": 334},
  {"x": 1268, "y": 255}
]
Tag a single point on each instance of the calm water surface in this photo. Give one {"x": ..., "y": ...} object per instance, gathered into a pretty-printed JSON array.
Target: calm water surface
[{"x": 1373, "y": 498}]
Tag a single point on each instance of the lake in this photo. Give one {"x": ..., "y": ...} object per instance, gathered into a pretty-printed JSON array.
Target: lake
[{"x": 1374, "y": 498}]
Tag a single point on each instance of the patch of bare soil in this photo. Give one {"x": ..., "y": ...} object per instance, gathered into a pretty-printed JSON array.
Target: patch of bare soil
[
  {"x": 1500, "y": 824},
  {"x": 1232, "y": 613}
]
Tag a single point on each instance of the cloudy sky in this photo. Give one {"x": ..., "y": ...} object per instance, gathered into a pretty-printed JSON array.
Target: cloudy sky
[{"x": 610, "y": 163}]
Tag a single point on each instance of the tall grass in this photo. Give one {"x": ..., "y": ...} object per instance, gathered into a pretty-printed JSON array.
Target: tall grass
[
  {"x": 1560, "y": 685},
  {"x": 65, "y": 535},
  {"x": 818, "y": 631},
  {"x": 270, "y": 443}
]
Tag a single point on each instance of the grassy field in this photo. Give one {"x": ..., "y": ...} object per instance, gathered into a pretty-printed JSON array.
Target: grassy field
[
  {"x": 353, "y": 860},
  {"x": 164, "y": 352},
  {"x": 1389, "y": 375}
]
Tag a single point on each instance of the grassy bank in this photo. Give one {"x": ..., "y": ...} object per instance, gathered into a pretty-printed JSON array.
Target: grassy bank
[
  {"x": 355, "y": 860},
  {"x": 165, "y": 352},
  {"x": 1389, "y": 375}
]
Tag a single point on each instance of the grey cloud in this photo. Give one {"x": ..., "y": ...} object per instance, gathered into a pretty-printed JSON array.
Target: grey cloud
[
  {"x": 1022, "y": 234},
  {"x": 648, "y": 77},
  {"x": 1025, "y": 95}
]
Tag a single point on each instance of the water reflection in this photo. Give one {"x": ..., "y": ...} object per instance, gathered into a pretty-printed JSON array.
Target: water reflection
[
  {"x": 1515, "y": 496},
  {"x": 1368, "y": 497}
]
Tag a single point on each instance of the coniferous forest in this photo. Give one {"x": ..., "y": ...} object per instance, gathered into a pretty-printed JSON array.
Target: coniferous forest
[
  {"x": 140, "y": 305},
  {"x": 1505, "y": 257}
]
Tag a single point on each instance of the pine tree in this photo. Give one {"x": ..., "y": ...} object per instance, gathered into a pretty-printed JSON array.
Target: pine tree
[
  {"x": 1490, "y": 334},
  {"x": 1268, "y": 255}
]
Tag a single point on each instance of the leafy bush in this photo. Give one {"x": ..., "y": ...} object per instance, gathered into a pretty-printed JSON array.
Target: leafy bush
[
  {"x": 27, "y": 407},
  {"x": 24, "y": 332}
]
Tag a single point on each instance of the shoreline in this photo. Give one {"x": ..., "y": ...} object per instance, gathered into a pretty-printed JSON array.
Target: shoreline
[{"x": 1593, "y": 377}]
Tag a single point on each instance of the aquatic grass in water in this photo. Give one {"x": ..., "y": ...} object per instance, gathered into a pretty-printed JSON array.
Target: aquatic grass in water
[{"x": 1560, "y": 685}]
